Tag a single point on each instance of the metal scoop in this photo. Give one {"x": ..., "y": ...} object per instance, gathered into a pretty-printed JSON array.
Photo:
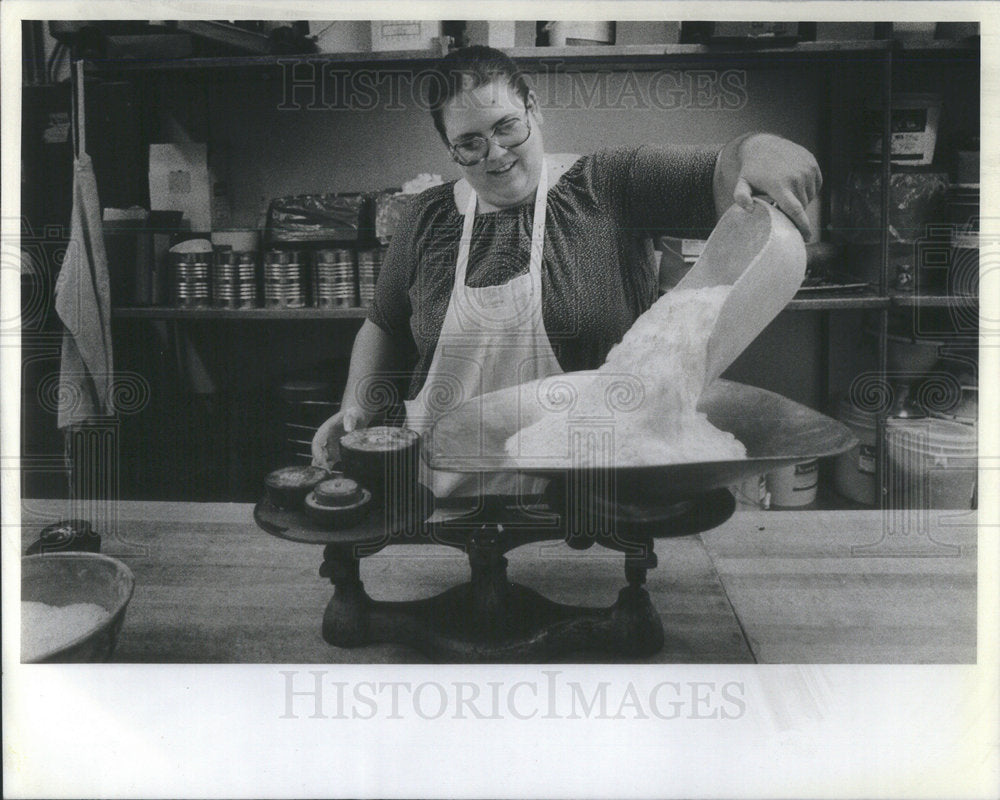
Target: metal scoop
[{"x": 760, "y": 253}]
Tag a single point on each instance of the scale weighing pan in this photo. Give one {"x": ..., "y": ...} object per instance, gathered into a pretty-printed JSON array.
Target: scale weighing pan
[{"x": 777, "y": 432}]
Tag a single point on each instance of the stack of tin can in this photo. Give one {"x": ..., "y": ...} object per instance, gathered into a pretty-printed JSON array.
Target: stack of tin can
[
  {"x": 334, "y": 285},
  {"x": 234, "y": 280},
  {"x": 189, "y": 280},
  {"x": 369, "y": 264},
  {"x": 283, "y": 287}
]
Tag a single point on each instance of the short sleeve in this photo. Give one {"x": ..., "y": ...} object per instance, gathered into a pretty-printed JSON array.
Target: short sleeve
[
  {"x": 390, "y": 307},
  {"x": 659, "y": 190}
]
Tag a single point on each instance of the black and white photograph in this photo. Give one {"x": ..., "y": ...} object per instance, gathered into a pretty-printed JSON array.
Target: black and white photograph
[{"x": 499, "y": 408}]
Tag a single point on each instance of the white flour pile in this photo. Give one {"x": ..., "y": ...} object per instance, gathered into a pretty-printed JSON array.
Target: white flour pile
[
  {"x": 45, "y": 628},
  {"x": 666, "y": 350}
]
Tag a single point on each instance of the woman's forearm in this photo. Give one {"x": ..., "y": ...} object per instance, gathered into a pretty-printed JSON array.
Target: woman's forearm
[{"x": 375, "y": 357}]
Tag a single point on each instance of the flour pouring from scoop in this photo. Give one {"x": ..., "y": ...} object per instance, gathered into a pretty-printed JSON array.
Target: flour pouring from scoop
[{"x": 663, "y": 357}]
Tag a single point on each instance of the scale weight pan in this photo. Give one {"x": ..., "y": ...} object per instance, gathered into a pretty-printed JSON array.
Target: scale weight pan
[{"x": 776, "y": 431}]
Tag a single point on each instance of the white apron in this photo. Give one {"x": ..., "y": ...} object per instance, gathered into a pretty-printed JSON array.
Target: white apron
[{"x": 492, "y": 337}]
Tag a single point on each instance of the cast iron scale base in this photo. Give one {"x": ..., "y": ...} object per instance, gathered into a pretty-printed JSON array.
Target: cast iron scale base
[{"x": 489, "y": 618}]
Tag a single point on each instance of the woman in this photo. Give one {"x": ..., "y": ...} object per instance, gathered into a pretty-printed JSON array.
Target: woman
[{"x": 524, "y": 268}]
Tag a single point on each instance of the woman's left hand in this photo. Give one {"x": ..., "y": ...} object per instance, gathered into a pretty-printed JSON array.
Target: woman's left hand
[{"x": 784, "y": 171}]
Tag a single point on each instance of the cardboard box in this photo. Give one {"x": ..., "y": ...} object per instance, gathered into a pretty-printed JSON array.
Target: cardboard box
[
  {"x": 844, "y": 31},
  {"x": 404, "y": 34},
  {"x": 915, "y": 120},
  {"x": 342, "y": 35},
  {"x": 647, "y": 32},
  {"x": 525, "y": 34},
  {"x": 183, "y": 177},
  {"x": 493, "y": 34},
  {"x": 756, "y": 31},
  {"x": 913, "y": 30},
  {"x": 151, "y": 46},
  {"x": 179, "y": 181}
]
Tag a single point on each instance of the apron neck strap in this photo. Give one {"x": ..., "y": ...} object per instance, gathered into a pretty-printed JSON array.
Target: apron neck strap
[{"x": 537, "y": 229}]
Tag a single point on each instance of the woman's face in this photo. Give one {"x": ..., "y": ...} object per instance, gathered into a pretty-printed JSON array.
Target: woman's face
[{"x": 506, "y": 177}]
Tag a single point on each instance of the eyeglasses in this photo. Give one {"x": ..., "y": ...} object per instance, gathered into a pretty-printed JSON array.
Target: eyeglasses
[{"x": 507, "y": 133}]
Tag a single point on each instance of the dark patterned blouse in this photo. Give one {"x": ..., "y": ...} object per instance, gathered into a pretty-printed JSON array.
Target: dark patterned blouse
[{"x": 598, "y": 274}]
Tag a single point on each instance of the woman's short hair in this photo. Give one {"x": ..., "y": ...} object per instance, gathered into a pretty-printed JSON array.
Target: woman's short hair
[{"x": 469, "y": 68}]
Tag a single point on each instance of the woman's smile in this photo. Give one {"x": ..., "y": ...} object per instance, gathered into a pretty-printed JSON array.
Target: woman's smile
[{"x": 502, "y": 169}]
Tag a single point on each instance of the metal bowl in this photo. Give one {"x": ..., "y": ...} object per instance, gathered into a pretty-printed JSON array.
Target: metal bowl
[{"x": 61, "y": 579}]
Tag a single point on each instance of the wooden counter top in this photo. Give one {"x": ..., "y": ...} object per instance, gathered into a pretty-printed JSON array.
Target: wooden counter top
[{"x": 771, "y": 587}]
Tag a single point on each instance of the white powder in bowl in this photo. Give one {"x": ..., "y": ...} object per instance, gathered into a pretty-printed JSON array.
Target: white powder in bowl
[
  {"x": 45, "y": 628},
  {"x": 665, "y": 353}
]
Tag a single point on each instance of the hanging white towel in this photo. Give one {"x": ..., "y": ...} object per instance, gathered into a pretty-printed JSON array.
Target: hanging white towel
[{"x": 83, "y": 298}]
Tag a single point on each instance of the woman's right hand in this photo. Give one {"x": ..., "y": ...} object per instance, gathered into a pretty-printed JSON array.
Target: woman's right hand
[{"x": 326, "y": 441}]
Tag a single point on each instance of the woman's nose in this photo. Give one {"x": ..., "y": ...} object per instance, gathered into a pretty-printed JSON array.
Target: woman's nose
[{"x": 496, "y": 150}]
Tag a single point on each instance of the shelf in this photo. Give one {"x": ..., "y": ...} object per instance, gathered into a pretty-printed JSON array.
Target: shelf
[
  {"x": 827, "y": 303},
  {"x": 933, "y": 301},
  {"x": 163, "y": 312},
  {"x": 401, "y": 57},
  {"x": 588, "y": 57},
  {"x": 939, "y": 45},
  {"x": 834, "y": 302},
  {"x": 635, "y": 55}
]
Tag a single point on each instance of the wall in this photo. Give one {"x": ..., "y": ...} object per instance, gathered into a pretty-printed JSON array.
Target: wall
[
  {"x": 296, "y": 133},
  {"x": 284, "y": 139}
]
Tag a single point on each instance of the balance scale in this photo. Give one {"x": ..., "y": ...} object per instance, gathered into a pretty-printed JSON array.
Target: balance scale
[{"x": 490, "y": 619}]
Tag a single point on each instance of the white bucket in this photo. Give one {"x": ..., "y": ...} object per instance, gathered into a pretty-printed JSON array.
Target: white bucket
[
  {"x": 794, "y": 485},
  {"x": 932, "y": 463},
  {"x": 854, "y": 471}
]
